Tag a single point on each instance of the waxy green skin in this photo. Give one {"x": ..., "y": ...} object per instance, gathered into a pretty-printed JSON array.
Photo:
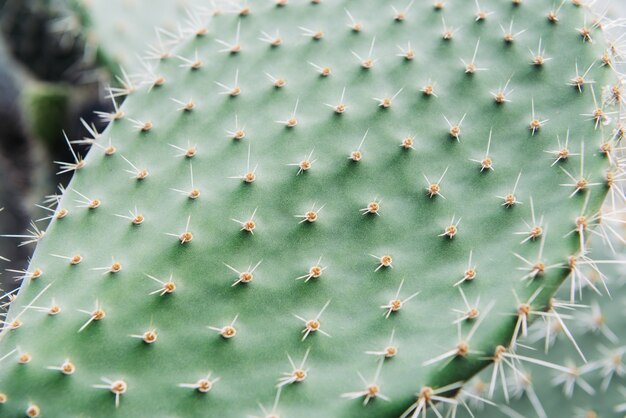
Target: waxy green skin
[
  {"x": 408, "y": 229},
  {"x": 119, "y": 29},
  {"x": 601, "y": 351}
]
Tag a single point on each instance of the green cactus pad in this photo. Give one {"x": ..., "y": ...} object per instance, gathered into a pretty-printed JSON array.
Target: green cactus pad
[
  {"x": 571, "y": 386},
  {"x": 340, "y": 248},
  {"x": 119, "y": 29}
]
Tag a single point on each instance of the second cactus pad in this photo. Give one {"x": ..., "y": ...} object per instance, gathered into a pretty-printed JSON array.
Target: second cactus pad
[{"x": 302, "y": 192}]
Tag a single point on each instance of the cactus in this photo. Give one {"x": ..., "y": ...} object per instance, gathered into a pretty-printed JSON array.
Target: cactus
[
  {"x": 569, "y": 385},
  {"x": 118, "y": 29},
  {"x": 319, "y": 203}
]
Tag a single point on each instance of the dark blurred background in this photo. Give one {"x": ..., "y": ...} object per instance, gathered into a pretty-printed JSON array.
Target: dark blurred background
[{"x": 49, "y": 79}]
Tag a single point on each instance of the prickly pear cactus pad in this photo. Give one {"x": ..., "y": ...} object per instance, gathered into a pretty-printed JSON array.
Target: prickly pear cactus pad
[
  {"x": 119, "y": 28},
  {"x": 319, "y": 209},
  {"x": 566, "y": 384}
]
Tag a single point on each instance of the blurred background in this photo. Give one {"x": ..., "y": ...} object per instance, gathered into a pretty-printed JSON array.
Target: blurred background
[
  {"x": 57, "y": 58},
  {"x": 50, "y": 78}
]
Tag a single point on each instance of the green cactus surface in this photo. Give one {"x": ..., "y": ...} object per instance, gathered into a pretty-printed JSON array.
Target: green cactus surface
[
  {"x": 119, "y": 29},
  {"x": 322, "y": 181},
  {"x": 571, "y": 386}
]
